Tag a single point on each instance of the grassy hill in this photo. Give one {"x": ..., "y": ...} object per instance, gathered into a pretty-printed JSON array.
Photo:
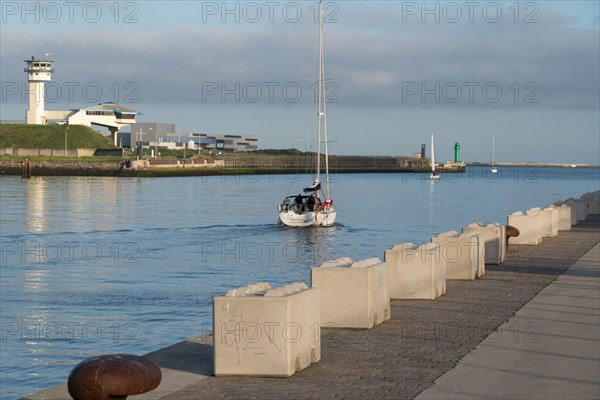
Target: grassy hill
[{"x": 51, "y": 137}]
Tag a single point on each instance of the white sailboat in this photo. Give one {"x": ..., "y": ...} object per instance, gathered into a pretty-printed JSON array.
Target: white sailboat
[
  {"x": 315, "y": 207},
  {"x": 433, "y": 174},
  {"x": 493, "y": 169}
]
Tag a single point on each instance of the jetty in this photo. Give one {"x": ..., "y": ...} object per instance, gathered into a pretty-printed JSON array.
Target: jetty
[
  {"x": 526, "y": 328},
  {"x": 229, "y": 164}
]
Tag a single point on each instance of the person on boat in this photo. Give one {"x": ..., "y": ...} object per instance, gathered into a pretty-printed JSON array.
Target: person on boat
[
  {"x": 310, "y": 203},
  {"x": 300, "y": 206}
]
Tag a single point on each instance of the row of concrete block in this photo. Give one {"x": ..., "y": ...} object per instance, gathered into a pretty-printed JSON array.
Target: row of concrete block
[
  {"x": 536, "y": 223},
  {"x": 265, "y": 331}
]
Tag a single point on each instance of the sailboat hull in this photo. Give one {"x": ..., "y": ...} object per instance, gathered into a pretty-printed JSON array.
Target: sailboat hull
[{"x": 324, "y": 217}]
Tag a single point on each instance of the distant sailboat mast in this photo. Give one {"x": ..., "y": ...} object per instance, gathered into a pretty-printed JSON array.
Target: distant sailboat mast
[
  {"x": 493, "y": 168},
  {"x": 433, "y": 174},
  {"x": 432, "y": 155}
]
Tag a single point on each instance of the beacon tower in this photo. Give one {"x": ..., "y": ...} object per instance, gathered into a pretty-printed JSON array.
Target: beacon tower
[
  {"x": 457, "y": 152},
  {"x": 39, "y": 71}
]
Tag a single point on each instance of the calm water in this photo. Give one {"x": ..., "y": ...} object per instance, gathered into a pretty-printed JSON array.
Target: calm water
[{"x": 99, "y": 265}]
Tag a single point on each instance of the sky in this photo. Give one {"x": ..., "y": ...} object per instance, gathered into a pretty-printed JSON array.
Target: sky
[{"x": 524, "y": 72}]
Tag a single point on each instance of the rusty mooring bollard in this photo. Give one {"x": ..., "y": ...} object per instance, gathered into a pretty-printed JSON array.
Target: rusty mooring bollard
[
  {"x": 511, "y": 231},
  {"x": 113, "y": 376}
]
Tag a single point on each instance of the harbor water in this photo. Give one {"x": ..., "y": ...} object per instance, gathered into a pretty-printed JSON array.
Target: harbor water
[{"x": 95, "y": 265}]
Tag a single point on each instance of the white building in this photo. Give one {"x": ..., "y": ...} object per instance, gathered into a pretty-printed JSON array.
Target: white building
[
  {"x": 109, "y": 115},
  {"x": 164, "y": 135}
]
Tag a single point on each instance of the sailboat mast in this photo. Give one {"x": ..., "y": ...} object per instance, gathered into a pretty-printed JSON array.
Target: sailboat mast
[
  {"x": 320, "y": 94},
  {"x": 493, "y": 149},
  {"x": 324, "y": 99}
]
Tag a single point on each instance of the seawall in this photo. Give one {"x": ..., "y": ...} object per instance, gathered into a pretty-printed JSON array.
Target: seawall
[{"x": 261, "y": 165}]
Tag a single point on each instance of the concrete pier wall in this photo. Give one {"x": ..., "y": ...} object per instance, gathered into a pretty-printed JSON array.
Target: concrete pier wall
[
  {"x": 32, "y": 152},
  {"x": 307, "y": 161}
]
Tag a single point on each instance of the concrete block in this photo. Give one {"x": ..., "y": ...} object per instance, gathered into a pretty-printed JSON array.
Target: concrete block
[
  {"x": 563, "y": 216},
  {"x": 572, "y": 211},
  {"x": 592, "y": 202},
  {"x": 494, "y": 239},
  {"x": 416, "y": 272},
  {"x": 580, "y": 208},
  {"x": 264, "y": 331},
  {"x": 464, "y": 257},
  {"x": 549, "y": 222},
  {"x": 536, "y": 214},
  {"x": 353, "y": 294},
  {"x": 528, "y": 225}
]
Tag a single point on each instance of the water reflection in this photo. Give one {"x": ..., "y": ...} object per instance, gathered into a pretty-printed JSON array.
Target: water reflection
[
  {"x": 36, "y": 205},
  {"x": 36, "y": 280},
  {"x": 309, "y": 247},
  {"x": 71, "y": 203},
  {"x": 431, "y": 208}
]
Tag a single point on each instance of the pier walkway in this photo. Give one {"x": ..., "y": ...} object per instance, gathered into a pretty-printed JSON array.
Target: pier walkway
[{"x": 528, "y": 329}]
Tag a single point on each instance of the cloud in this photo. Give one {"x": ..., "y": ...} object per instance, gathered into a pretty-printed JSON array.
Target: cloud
[{"x": 374, "y": 58}]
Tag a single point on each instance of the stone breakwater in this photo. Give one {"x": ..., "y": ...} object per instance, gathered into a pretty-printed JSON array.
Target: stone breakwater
[{"x": 227, "y": 166}]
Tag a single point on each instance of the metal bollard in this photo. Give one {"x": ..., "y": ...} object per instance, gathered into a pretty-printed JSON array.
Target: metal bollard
[{"x": 113, "y": 376}]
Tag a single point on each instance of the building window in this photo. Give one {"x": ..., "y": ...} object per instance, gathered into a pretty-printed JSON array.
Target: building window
[{"x": 99, "y": 113}]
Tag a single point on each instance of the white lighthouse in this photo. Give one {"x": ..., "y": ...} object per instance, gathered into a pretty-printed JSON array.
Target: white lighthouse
[{"x": 39, "y": 71}]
